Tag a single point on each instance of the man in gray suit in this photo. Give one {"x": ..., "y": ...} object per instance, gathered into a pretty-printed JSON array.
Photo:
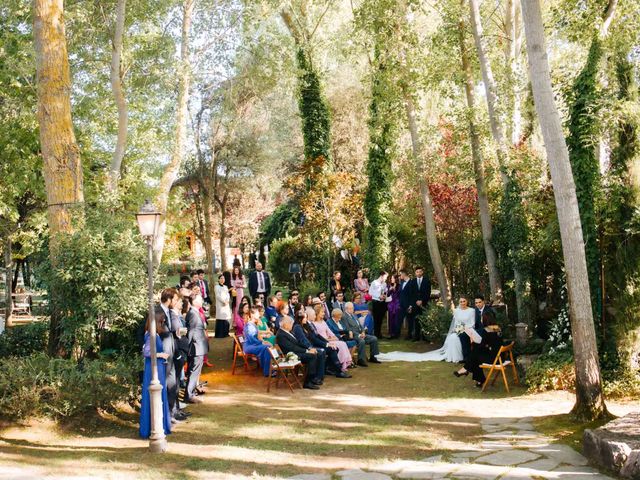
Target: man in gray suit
[
  {"x": 360, "y": 336},
  {"x": 339, "y": 302},
  {"x": 198, "y": 349}
]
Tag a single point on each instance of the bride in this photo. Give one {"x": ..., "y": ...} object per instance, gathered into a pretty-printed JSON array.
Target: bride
[{"x": 451, "y": 351}]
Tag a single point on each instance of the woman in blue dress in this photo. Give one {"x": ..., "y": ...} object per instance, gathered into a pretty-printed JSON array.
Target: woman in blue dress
[
  {"x": 362, "y": 313},
  {"x": 145, "y": 406},
  {"x": 254, "y": 345}
]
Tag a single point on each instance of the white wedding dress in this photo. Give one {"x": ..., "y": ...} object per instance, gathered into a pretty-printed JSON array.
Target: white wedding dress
[{"x": 451, "y": 351}]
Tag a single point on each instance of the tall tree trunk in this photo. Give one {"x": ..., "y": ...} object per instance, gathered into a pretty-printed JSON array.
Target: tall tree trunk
[
  {"x": 208, "y": 241},
  {"x": 427, "y": 207},
  {"x": 223, "y": 237},
  {"x": 62, "y": 166},
  {"x": 118, "y": 94},
  {"x": 589, "y": 399},
  {"x": 171, "y": 170},
  {"x": 8, "y": 309},
  {"x": 478, "y": 168},
  {"x": 498, "y": 132}
]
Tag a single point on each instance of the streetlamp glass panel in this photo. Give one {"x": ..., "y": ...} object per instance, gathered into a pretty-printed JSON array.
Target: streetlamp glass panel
[{"x": 148, "y": 220}]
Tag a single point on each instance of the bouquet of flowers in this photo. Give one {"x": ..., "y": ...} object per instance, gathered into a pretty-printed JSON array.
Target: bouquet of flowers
[
  {"x": 459, "y": 328},
  {"x": 291, "y": 357}
]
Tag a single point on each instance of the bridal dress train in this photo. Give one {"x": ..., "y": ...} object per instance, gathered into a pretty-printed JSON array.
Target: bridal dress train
[{"x": 451, "y": 351}]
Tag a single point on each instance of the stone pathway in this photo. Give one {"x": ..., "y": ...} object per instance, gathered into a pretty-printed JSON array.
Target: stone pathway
[{"x": 510, "y": 450}]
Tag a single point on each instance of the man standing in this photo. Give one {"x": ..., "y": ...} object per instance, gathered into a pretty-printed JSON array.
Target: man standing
[
  {"x": 419, "y": 295},
  {"x": 378, "y": 292},
  {"x": 204, "y": 287},
  {"x": 360, "y": 336},
  {"x": 169, "y": 298},
  {"x": 309, "y": 356},
  {"x": 259, "y": 282},
  {"x": 405, "y": 305},
  {"x": 198, "y": 349}
]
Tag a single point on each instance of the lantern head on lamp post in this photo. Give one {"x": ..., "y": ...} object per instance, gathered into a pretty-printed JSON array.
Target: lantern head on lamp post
[{"x": 148, "y": 221}]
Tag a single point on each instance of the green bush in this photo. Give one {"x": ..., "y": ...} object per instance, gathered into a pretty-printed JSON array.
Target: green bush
[
  {"x": 60, "y": 388},
  {"x": 435, "y": 322},
  {"x": 308, "y": 287},
  {"x": 24, "y": 340},
  {"x": 285, "y": 251},
  {"x": 552, "y": 371}
]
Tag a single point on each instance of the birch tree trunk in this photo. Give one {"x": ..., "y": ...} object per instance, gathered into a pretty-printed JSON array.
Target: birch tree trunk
[
  {"x": 589, "y": 399},
  {"x": 62, "y": 168},
  {"x": 478, "y": 168},
  {"x": 222, "y": 204},
  {"x": 427, "y": 207},
  {"x": 118, "y": 95},
  {"x": 171, "y": 170}
]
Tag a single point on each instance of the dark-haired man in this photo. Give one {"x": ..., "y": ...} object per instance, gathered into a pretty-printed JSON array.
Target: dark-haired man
[
  {"x": 405, "y": 306},
  {"x": 378, "y": 292},
  {"x": 419, "y": 295},
  {"x": 259, "y": 282},
  {"x": 309, "y": 356},
  {"x": 204, "y": 286},
  {"x": 169, "y": 299},
  {"x": 481, "y": 307}
]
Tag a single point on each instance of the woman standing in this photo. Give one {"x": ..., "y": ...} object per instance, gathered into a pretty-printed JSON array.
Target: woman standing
[
  {"x": 393, "y": 307},
  {"x": 237, "y": 284},
  {"x": 145, "y": 404},
  {"x": 361, "y": 285},
  {"x": 223, "y": 309}
]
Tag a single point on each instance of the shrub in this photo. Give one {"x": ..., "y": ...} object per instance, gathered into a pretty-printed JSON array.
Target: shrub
[
  {"x": 435, "y": 322},
  {"x": 60, "y": 388},
  {"x": 24, "y": 340},
  {"x": 307, "y": 287},
  {"x": 552, "y": 371}
]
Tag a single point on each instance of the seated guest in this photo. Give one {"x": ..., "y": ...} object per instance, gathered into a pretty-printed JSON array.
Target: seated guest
[
  {"x": 294, "y": 300},
  {"x": 339, "y": 329},
  {"x": 323, "y": 330},
  {"x": 254, "y": 345},
  {"x": 489, "y": 341},
  {"x": 282, "y": 310},
  {"x": 309, "y": 356},
  {"x": 362, "y": 313},
  {"x": 360, "y": 335},
  {"x": 271, "y": 311},
  {"x": 278, "y": 295},
  {"x": 322, "y": 297},
  {"x": 305, "y": 334},
  {"x": 308, "y": 301},
  {"x": 241, "y": 317},
  {"x": 266, "y": 333},
  {"x": 339, "y": 303},
  {"x": 145, "y": 405}
]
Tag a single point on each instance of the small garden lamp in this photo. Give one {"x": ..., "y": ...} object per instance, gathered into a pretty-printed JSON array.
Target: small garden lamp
[{"x": 148, "y": 222}]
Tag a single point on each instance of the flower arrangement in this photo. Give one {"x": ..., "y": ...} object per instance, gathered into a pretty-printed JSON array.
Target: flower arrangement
[
  {"x": 459, "y": 328},
  {"x": 291, "y": 357}
]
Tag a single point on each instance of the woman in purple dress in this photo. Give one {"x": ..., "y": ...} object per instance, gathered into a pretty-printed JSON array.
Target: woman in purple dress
[{"x": 393, "y": 307}]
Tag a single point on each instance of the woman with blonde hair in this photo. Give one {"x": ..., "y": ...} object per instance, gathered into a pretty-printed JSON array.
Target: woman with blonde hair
[{"x": 322, "y": 329}]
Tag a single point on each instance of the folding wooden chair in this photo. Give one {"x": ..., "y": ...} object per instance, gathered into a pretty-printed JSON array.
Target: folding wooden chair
[
  {"x": 238, "y": 352},
  {"x": 500, "y": 365},
  {"x": 283, "y": 369}
]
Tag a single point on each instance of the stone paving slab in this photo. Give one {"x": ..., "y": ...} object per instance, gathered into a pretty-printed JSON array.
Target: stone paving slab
[
  {"x": 428, "y": 471},
  {"x": 562, "y": 453},
  {"x": 508, "y": 457},
  {"x": 312, "y": 476},
  {"x": 357, "y": 474}
]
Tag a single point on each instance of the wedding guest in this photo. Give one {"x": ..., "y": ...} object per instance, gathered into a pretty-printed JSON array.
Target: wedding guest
[
  {"x": 237, "y": 284},
  {"x": 198, "y": 349},
  {"x": 294, "y": 300},
  {"x": 393, "y": 307},
  {"x": 223, "y": 308},
  {"x": 253, "y": 343},
  {"x": 308, "y": 356},
  {"x": 145, "y": 405},
  {"x": 204, "y": 287},
  {"x": 282, "y": 310},
  {"x": 303, "y": 330},
  {"x": 185, "y": 282},
  {"x": 271, "y": 310},
  {"x": 259, "y": 282},
  {"x": 193, "y": 276},
  {"x": 378, "y": 292},
  {"x": 169, "y": 299},
  {"x": 339, "y": 303},
  {"x": 419, "y": 295},
  {"x": 361, "y": 285},
  {"x": 488, "y": 341},
  {"x": 308, "y": 301},
  {"x": 362, "y": 313},
  {"x": 339, "y": 329},
  {"x": 359, "y": 334},
  {"x": 278, "y": 295},
  {"x": 266, "y": 333},
  {"x": 336, "y": 285},
  {"x": 481, "y": 307},
  {"x": 240, "y": 318},
  {"x": 323, "y": 330},
  {"x": 323, "y": 301}
]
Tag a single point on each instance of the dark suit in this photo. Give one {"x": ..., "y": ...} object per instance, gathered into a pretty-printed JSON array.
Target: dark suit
[
  {"x": 319, "y": 342},
  {"x": 253, "y": 284},
  {"x": 417, "y": 293},
  {"x": 404, "y": 301},
  {"x": 288, "y": 343},
  {"x": 487, "y": 309},
  {"x": 198, "y": 349},
  {"x": 206, "y": 294},
  {"x": 169, "y": 346},
  {"x": 484, "y": 353}
]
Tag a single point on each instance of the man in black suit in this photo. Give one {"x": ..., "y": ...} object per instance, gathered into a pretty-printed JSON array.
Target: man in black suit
[
  {"x": 204, "y": 287},
  {"x": 259, "y": 282},
  {"x": 419, "y": 295},
  {"x": 198, "y": 349},
  {"x": 309, "y": 356},
  {"x": 481, "y": 307},
  {"x": 405, "y": 306}
]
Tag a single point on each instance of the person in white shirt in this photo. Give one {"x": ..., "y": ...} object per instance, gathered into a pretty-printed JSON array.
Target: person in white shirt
[
  {"x": 223, "y": 308},
  {"x": 378, "y": 292}
]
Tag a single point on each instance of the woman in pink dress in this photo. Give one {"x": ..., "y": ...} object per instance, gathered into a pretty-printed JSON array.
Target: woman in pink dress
[
  {"x": 322, "y": 329},
  {"x": 361, "y": 285},
  {"x": 241, "y": 317},
  {"x": 237, "y": 283}
]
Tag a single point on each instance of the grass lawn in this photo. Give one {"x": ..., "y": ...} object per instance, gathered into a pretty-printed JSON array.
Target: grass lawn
[{"x": 385, "y": 412}]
